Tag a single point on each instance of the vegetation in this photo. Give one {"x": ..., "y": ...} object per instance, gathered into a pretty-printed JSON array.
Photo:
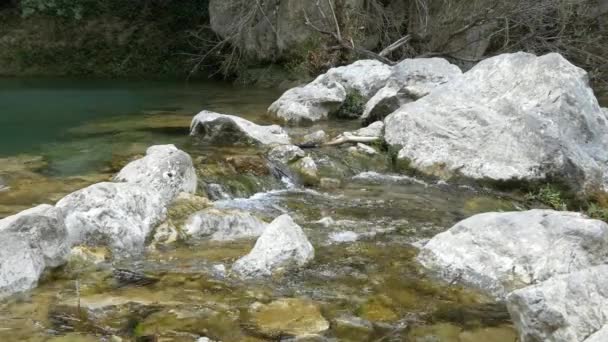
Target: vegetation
[{"x": 549, "y": 195}]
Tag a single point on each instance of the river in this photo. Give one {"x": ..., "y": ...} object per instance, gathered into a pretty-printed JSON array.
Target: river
[{"x": 57, "y": 136}]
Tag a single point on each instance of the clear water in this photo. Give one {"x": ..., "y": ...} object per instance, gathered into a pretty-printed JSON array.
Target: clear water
[{"x": 57, "y": 136}]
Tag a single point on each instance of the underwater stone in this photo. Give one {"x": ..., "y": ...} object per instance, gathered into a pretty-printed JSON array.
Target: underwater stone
[
  {"x": 288, "y": 317},
  {"x": 282, "y": 245}
]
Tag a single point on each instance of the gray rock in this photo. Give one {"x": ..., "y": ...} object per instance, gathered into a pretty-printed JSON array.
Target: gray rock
[
  {"x": 224, "y": 129},
  {"x": 223, "y": 225},
  {"x": 282, "y": 245},
  {"x": 44, "y": 229},
  {"x": 410, "y": 80},
  {"x": 322, "y": 97},
  {"x": 599, "y": 336},
  {"x": 117, "y": 215},
  {"x": 286, "y": 154},
  {"x": 501, "y": 252},
  {"x": 20, "y": 265},
  {"x": 375, "y": 129},
  {"x": 315, "y": 138},
  {"x": 309, "y": 103},
  {"x": 165, "y": 169},
  {"x": 514, "y": 116},
  {"x": 565, "y": 308},
  {"x": 366, "y": 149}
]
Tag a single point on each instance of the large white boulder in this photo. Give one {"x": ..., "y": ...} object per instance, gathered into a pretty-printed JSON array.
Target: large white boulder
[
  {"x": 511, "y": 117},
  {"x": 20, "y": 265},
  {"x": 282, "y": 245},
  {"x": 223, "y": 225},
  {"x": 222, "y": 129},
  {"x": 501, "y": 252},
  {"x": 410, "y": 80},
  {"x": 324, "y": 96},
  {"x": 44, "y": 229},
  {"x": 165, "y": 169},
  {"x": 565, "y": 308},
  {"x": 117, "y": 215}
]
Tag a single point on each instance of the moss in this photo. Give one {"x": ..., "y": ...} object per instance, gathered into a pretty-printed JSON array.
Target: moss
[
  {"x": 352, "y": 107},
  {"x": 550, "y": 195}
]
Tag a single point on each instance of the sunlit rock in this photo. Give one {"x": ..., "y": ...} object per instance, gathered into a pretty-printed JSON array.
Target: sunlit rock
[
  {"x": 223, "y": 225},
  {"x": 512, "y": 117},
  {"x": 283, "y": 245},
  {"x": 501, "y": 252},
  {"x": 20, "y": 265},
  {"x": 165, "y": 169}
]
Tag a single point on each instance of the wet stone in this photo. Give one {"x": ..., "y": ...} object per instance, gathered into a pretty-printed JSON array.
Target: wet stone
[{"x": 287, "y": 317}]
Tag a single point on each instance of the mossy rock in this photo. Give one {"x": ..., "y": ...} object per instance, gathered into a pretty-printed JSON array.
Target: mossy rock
[
  {"x": 378, "y": 309},
  {"x": 287, "y": 317},
  {"x": 352, "y": 107}
]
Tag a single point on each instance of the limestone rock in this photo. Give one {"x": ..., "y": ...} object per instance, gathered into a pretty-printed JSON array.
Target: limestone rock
[
  {"x": 224, "y": 129},
  {"x": 20, "y": 265},
  {"x": 282, "y": 245},
  {"x": 164, "y": 169},
  {"x": 501, "y": 252},
  {"x": 286, "y": 154},
  {"x": 512, "y": 117},
  {"x": 224, "y": 225}
]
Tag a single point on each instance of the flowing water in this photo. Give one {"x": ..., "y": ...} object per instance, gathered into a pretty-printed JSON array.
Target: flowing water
[{"x": 57, "y": 136}]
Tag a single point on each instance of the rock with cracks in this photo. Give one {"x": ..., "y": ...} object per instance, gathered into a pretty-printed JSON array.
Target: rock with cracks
[
  {"x": 512, "y": 117},
  {"x": 501, "y": 252},
  {"x": 283, "y": 245},
  {"x": 223, "y": 225},
  {"x": 20, "y": 265}
]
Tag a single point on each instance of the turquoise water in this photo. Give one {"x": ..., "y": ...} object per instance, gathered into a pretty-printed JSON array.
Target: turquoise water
[{"x": 37, "y": 112}]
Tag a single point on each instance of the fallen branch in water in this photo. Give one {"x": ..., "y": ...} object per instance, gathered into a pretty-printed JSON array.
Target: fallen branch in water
[{"x": 349, "y": 138}]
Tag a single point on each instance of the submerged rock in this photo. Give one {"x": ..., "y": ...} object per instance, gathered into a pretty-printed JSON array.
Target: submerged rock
[
  {"x": 316, "y": 138},
  {"x": 224, "y": 129},
  {"x": 306, "y": 169},
  {"x": 282, "y": 245},
  {"x": 44, "y": 229},
  {"x": 565, "y": 308},
  {"x": 501, "y": 252},
  {"x": 324, "y": 96},
  {"x": 20, "y": 265},
  {"x": 117, "y": 215},
  {"x": 223, "y": 225},
  {"x": 286, "y": 154},
  {"x": 410, "y": 80},
  {"x": 287, "y": 317},
  {"x": 514, "y": 116},
  {"x": 165, "y": 169}
]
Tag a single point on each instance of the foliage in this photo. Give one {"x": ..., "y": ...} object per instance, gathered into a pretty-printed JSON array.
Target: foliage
[
  {"x": 598, "y": 212},
  {"x": 352, "y": 107},
  {"x": 549, "y": 195}
]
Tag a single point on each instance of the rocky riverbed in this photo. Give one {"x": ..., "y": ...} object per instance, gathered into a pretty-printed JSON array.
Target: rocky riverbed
[{"x": 407, "y": 221}]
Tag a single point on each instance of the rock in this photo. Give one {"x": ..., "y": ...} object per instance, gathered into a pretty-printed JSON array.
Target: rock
[
  {"x": 329, "y": 183},
  {"x": 315, "y": 139},
  {"x": 565, "y": 308},
  {"x": 600, "y": 336},
  {"x": 223, "y": 225},
  {"x": 366, "y": 149},
  {"x": 20, "y": 265},
  {"x": 307, "y": 171},
  {"x": 287, "y": 317},
  {"x": 286, "y": 154},
  {"x": 326, "y": 94},
  {"x": 342, "y": 237},
  {"x": 375, "y": 129},
  {"x": 353, "y": 328},
  {"x": 44, "y": 229},
  {"x": 282, "y": 245},
  {"x": 501, "y": 252},
  {"x": 511, "y": 117},
  {"x": 117, "y": 215},
  {"x": 224, "y": 129},
  {"x": 165, "y": 169},
  {"x": 410, "y": 80},
  {"x": 216, "y": 192},
  {"x": 309, "y": 103}
]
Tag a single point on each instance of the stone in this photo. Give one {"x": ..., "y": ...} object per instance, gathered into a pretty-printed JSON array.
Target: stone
[
  {"x": 599, "y": 336},
  {"x": 316, "y": 138},
  {"x": 282, "y": 245},
  {"x": 287, "y": 317},
  {"x": 326, "y": 94},
  {"x": 44, "y": 229},
  {"x": 565, "y": 308},
  {"x": 307, "y": 170},
  {"x": 165, "y": 169},
  {"x": 512, "y": 117},
  {"x": 20, "y": 265},
  {"x": 117, "y": 215},
  {"x": 221, "y": 129},
  {"x": 410, "y": 80},
  {"x": 366, "y": 149},
  {"x": 500, "y": 252},
  {"x": 286, "y": 154},
  {"x": 223, "y": 225},
  {"x": 342, "y": 237},
  {"x": 375, "y": 129}
]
